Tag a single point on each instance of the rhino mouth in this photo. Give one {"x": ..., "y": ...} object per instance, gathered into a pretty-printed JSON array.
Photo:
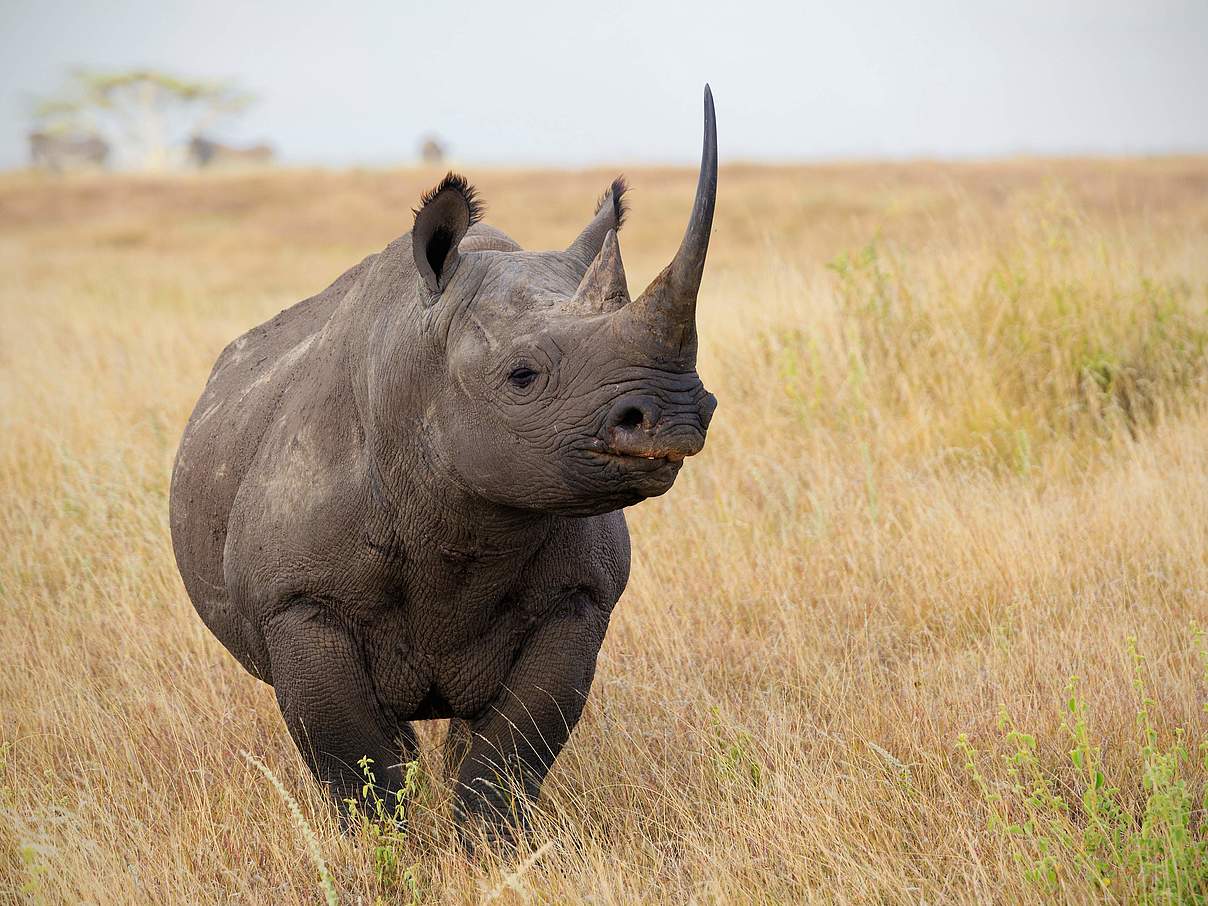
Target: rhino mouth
[
  {"x": 660, "y": 457},
  {"x": 624, "y": 474},
  {"x": 648, "y": 473},
  {"x": 642, "y": 459}
]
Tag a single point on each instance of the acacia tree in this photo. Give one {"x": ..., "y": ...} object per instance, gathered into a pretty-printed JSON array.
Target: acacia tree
[{"x": 147, "y": 116}]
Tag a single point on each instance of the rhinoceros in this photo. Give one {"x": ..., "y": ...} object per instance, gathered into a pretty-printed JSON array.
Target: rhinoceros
[{"x": 401, "y": 499}]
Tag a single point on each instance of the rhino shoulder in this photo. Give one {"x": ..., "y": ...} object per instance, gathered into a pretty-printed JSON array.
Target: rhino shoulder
[{"x": 588, "y": 556}]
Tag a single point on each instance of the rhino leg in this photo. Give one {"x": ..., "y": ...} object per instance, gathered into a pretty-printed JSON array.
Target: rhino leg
[
  {"x": 457, "y": 745},
  {"x": 514, "y": 742},
  {"x": 329, "y": 705}
]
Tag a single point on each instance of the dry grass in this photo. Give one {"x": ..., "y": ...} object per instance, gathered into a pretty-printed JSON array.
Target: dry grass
[{"x": 960, "y": 456}]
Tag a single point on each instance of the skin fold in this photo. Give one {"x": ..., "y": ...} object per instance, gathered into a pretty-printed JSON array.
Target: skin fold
[{"x": 401, "y": 499}]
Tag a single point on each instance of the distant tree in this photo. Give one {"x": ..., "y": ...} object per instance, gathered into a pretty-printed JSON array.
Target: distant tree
[
  {"x": 147, "y": 116},
  {"x": 432, "y": 150}
]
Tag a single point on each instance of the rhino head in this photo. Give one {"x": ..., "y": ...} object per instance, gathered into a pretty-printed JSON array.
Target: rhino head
[{"x": 546, "y": 386}]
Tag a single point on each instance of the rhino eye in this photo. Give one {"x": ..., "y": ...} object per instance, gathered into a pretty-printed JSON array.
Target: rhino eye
[{"x": 521, "y": 377}]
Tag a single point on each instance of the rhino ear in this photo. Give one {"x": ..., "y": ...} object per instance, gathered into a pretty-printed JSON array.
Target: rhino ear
[
  {"x": 610, "y": 215},
  {"x": 441, "y": 220}
]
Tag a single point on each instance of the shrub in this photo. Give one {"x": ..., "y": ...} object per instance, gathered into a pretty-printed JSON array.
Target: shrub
[{"x": 1155, "y": 853}]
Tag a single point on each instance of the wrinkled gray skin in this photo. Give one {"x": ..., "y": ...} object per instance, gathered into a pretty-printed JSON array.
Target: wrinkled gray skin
[{"x": 401, "y": 499}]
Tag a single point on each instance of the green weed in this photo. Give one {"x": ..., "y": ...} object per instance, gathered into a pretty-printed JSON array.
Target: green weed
[
  {"x": 382, "y": 822},
  {"x": 735, "y": 754},
  {"x": 1154, "y": 853}
]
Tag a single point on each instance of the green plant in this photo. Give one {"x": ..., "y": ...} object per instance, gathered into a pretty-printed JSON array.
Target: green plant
[
  {"x": 1061, "y": 829},
  {"x": 735, "y": 755},
  {"x": 381, "y": 821}
]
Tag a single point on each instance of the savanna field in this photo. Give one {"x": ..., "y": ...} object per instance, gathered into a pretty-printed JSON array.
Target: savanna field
[{"x": 960, "y": 459}]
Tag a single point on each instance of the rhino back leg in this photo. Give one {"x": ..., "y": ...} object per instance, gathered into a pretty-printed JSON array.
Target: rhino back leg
[
  {"x": 329, "y": 705},
  {"x": 457, "y": 745}
]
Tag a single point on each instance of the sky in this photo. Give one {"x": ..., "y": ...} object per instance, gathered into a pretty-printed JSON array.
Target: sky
[{"x": 614, "y": 81}]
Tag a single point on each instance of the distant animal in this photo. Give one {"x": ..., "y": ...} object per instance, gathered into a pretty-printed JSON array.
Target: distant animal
[
  {"x": 68, "y": 151},
  {"x": 204, "y": 152},
  {"x": 401, "y": 498},
  {"x": 432, "y": 151}
]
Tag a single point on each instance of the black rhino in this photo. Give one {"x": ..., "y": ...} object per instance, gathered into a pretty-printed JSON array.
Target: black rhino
[{"x": 401, "y": 499}]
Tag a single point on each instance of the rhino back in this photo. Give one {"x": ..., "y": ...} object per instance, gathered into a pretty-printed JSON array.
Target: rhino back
[{"x": 242, "y": 397}]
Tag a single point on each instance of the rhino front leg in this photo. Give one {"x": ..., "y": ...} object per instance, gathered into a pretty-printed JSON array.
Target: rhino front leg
[
  {"x": 514, "y": 742},
  {"x": 329, "y": 705}
]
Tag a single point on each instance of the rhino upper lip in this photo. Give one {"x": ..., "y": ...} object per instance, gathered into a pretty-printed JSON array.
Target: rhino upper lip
[
  {"x": 666, "y": 455},
  {"x": 670, "y": 456}
]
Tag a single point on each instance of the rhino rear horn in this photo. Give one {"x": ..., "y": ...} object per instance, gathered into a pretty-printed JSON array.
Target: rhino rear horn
[
  {"x": 441, "y": 221},
  {"x": 603, "y": 288}
]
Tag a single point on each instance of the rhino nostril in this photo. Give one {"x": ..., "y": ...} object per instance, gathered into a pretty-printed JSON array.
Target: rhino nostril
[
  {"x": 630, "y": 418},
  {"x": 632, "y": 413}
]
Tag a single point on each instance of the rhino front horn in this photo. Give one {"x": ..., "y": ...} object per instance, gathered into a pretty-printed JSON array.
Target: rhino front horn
[{"x": 666, "y": 311}]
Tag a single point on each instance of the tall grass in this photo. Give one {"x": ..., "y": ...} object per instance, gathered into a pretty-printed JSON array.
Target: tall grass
[{"x": 959, "y": 459}]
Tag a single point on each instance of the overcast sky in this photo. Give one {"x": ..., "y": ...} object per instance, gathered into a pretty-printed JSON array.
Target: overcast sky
[{"x": 571, "y": 83}]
